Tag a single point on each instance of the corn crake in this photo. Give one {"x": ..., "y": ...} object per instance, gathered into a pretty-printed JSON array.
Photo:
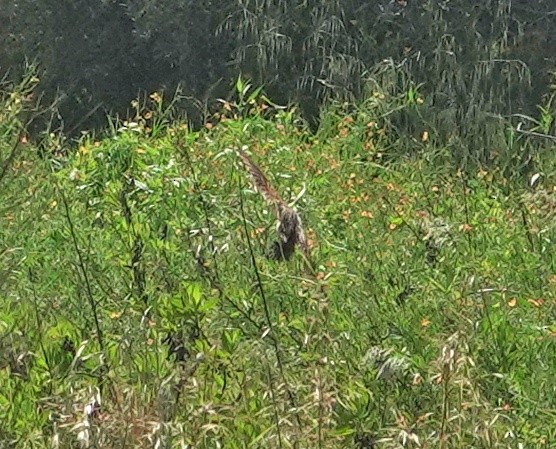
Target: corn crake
[{"x": 290, "y": 226}]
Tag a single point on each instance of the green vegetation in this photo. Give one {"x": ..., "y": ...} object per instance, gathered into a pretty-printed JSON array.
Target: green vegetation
[{"x": 133, "y": 273}]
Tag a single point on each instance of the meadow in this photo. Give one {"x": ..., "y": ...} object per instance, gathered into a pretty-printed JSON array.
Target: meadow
[{"x": 139, "y": 307}]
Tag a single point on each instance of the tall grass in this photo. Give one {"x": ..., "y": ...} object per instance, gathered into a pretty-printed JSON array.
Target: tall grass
[{"x": 139, "y": 308}]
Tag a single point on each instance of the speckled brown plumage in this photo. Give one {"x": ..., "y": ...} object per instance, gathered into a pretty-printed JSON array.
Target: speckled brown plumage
[{"x": 290, "y": 228}]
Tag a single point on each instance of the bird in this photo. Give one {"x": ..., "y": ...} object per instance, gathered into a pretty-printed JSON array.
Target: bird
[{"x": 290, "y": 227}]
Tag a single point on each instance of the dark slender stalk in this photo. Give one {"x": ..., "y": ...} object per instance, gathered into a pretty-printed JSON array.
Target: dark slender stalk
[
  {"x": 136, "y": 259},
  {"x": 527, "y": 227},
  {"x": 39, "y": 327},
  {"x": 466, "y": 208},
  {"x": 497, "y": 343},
  {"x": 214, "y": 280},
  {"x": 8, "y": 161},
  {"x": 202, "y": 201},
  {"x": 272, "y": 333},
  {"x": 90, "y": 297},
  {"x": 268, "y": 321},
  {"x": 532, "y": 246},
  {"x": 425, "y": 192},
  {"x": 275, "y": 407},
  {"x": 446, "y": 375}
]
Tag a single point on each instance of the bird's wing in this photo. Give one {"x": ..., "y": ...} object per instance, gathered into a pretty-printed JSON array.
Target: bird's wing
[{"x": 260, "y": 181}]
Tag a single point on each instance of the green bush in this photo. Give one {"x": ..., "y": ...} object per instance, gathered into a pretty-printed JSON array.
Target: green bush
[{"x": 139, "y": 306}]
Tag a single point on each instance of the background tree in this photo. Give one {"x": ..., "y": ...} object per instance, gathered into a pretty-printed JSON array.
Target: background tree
[
  {"x": 86, "y": 52},
  {"x": 474, "y": 59}
]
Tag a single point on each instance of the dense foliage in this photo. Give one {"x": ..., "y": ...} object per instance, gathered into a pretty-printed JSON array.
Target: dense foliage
[{"x": 139, "y": 308}]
